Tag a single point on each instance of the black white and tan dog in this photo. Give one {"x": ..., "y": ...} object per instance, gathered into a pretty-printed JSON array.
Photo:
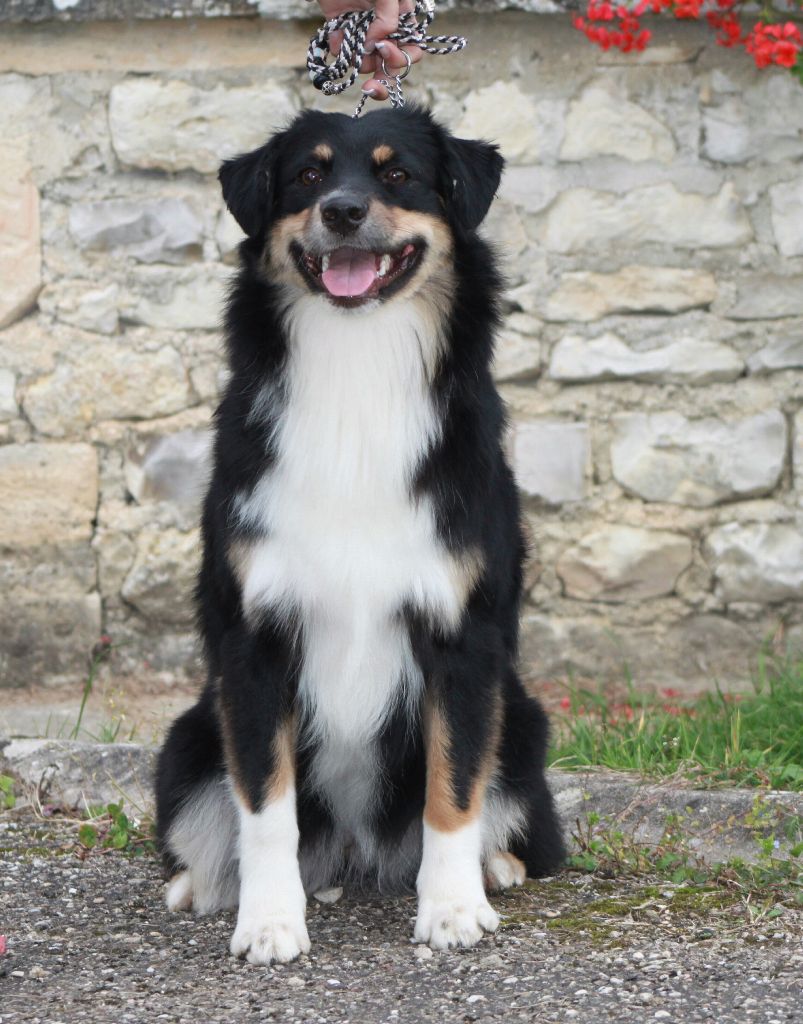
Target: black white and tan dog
[{"x": 363, "y": 719}]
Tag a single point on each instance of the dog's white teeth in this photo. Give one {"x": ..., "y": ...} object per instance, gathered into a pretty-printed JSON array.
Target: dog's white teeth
[
  {"x": 324, "y": 263},
  {"x": 384, "y": 264}
]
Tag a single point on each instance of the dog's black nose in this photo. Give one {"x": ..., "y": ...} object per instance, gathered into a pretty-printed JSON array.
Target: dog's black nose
[{"x": 344, "y": 214}]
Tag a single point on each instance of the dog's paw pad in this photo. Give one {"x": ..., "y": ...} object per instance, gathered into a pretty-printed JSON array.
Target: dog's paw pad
[
  {"x": 275, "y": 940},
  {"x": 179, "y": 892},
  {"x": 503, "y": 870},
  {"x": 447, "y": 923}
]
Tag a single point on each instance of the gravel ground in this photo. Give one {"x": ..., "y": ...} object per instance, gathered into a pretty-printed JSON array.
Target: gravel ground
[{"x": 90, "y": 940}]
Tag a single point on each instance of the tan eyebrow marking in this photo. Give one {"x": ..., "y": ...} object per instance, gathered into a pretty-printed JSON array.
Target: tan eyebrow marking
[
  {"x": 382, "y": 154},
  {"x": 323, "y": 151}
]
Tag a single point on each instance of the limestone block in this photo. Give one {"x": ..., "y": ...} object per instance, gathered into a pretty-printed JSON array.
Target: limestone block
[
  {"x": 583, "y": 218},
  {"x": 504, "y": 227},
  {"x": 586, "y": 296},
  {"x": 228, "y": 235},
  {"x": 502, "y": 113},
  {"x": 765, "y": 121},
  {"x": 624, "y": 563},
  {"x": 552, "y": 459},
  {"x": 8, "y": 401},
  {"x": 170, "y": 125},
  {"x": 188, "y": 299},
  {"x": 787, "y": 216},
  {"x": 81, "y": 304},
  {"x": 517, "y": 354},
  {"x": 600, "y": 124},
  {"x": 763, "y": 296},
  {"x": 47, "y": 636},
  {"x": 162, "y": 578},
  {"x": 48, "y": 493},
  {"x": 165, "y": 230},
  {"x": 106, "y": 379},
  {"x": 667, "y": 457},
  {"x": 20, "y": 249},
  {"x": 30, "y": 346},
  {"x": 172, "y": 468},
  {"x": 531, "y": 188},
  {"x": 757, "y": 562},
  {"x": 694, "y": 650},
  {"x": 607, "y": 357},
  {"x": 784, "y": 352}
]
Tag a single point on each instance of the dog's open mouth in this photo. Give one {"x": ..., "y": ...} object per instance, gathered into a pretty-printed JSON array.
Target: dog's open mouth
[{"x": 352, "y": 276}]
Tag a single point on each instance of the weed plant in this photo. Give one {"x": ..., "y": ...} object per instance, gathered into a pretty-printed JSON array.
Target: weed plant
[{"x": 751, "y": 739}]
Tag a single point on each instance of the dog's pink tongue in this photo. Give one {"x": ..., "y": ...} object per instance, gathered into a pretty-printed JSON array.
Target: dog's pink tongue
[{"x": 350, "y": 272}]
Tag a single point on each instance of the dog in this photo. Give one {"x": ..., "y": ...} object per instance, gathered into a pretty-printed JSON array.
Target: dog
[{"x": 363, "y": 720}]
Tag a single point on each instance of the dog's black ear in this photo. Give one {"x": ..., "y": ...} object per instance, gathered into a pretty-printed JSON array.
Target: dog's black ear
[
  {"x": 472, "y": 171},
  {"x": 248, "y": 184}
]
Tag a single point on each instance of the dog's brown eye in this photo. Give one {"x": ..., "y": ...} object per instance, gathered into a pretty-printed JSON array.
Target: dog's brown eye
[
  {"x": 395, "y": 175},
  {"x": 310, "y": 176}
]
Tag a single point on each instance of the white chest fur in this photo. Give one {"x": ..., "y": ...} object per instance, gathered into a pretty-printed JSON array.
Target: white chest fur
[{"x": 345, "y": 545}]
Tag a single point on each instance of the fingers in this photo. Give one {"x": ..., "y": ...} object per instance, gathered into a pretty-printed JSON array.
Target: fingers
[
  {"x": 394, "y": 62},
  {"x": 374, "y": 88},
  {"x": 386, "y": 20},
  {"x": 393, "y": 57}
]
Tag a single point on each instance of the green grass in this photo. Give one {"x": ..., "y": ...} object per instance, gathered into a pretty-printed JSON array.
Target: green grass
[{"x": 752, "y": 739}]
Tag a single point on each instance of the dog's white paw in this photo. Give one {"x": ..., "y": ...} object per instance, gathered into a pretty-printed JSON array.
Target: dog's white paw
[
  {"x": 277, "y": 938},
  {"x": 503, "y": 870},
  {"x": 444, "y": 923},
  {"x": 179, "y": 892}
]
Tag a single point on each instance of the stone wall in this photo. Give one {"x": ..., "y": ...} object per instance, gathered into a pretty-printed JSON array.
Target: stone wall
[{"x": 652, "y": 220}]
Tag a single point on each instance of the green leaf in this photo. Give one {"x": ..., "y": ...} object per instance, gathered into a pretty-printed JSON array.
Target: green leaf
[{"x": 88, "y": 836}]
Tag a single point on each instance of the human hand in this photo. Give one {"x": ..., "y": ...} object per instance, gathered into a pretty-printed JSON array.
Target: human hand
[{"x": 377, "y": 46}]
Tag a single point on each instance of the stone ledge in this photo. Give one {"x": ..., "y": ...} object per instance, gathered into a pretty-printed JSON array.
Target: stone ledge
[
  {"x": 280, "y": 10},
  {"x": 77, "y": 774}
]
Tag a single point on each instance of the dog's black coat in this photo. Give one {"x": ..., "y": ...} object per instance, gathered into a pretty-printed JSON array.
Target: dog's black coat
[{"x": 254, "y": 669}]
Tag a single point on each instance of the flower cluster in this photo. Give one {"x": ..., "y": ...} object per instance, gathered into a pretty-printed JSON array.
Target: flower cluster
[
  {"x": 626, "y": 35},
  {"x": 619, "y": 26},
  {"x": 774, "y": 44}
]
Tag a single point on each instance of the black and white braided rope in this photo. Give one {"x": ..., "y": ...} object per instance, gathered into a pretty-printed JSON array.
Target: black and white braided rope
[{"x": 335, "y": 76}]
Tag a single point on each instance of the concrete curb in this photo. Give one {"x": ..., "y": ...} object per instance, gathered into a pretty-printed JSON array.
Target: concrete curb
[{"x": 717, "y": 824}]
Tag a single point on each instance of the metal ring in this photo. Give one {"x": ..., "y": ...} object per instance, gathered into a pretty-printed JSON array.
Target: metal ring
[{"x": 401, "y": 75}]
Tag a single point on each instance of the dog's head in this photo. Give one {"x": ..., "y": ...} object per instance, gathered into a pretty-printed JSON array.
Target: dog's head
[{"x": 361, "y": 211}]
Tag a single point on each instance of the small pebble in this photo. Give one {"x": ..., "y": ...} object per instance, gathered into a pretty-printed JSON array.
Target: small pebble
[{"x": 422, "y": 953}]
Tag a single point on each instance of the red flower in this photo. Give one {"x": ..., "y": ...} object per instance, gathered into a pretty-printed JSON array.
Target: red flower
[
  {"x": 565, "y": 703},
  {"x": 2, "y": 944}
]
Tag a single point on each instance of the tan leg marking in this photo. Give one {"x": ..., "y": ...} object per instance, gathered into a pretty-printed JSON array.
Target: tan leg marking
[
  {"x": 441, "y": 810},
  {"x": 283, "y": 771},
  {"x": 283, "y": 775}
]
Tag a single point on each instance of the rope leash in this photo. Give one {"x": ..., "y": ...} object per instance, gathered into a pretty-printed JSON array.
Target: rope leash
[{"x": 341, "y": 72}]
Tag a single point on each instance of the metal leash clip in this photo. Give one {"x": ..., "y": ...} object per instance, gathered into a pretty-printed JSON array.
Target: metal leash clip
[{"x": 393, "y": 84}]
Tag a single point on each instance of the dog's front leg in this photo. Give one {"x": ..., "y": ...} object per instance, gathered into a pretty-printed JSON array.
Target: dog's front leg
[
  {"x": 461, "y": 729},
  {"x": 258, "y": 678}
]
